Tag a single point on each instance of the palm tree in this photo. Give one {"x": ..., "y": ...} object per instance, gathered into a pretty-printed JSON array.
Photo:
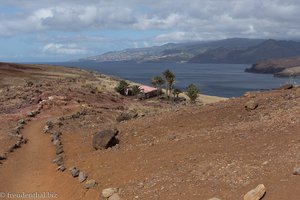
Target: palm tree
[
  {"x": 170, "y": 80},
  {"x": 157, "y": 81}
]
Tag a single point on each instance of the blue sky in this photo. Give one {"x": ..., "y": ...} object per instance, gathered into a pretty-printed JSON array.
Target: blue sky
[{"x": 55, "y": 30}]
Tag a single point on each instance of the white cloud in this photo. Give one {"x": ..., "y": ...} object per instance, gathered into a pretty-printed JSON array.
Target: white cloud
[
  {"x": 57, "y": 48},
  {"x": 232, "y": 18},
  {"x": 97, "y": 24}
]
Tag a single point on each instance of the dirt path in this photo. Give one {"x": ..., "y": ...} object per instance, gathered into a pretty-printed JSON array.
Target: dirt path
[{"x": 30, "y": 169}]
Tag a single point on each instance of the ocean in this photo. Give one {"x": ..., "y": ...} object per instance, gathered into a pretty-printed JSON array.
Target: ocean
[{"x": 226, "y": 80}]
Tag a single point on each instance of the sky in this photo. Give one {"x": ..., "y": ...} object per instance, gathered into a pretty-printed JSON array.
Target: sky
[{"x": 63, "y": 30}]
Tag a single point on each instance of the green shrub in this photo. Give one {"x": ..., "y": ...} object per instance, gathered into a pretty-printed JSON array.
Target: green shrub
[
  {"x": 192, "y": 92},
  {"x": 136, "y": 90},
  {"x": 121, "y": 87},
  {"x": 176, "y": 92}
]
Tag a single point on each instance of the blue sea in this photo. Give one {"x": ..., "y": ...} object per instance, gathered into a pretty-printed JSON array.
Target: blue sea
[{"x": 226, "y": 80}]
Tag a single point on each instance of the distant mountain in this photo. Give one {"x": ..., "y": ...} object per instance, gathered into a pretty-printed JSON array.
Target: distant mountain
[
  {"x": 182, "y": 52},
  {"x": 269, "y": 49},
  {"x": 232, "y": 51},
  {"x": 278, "y": 67}
]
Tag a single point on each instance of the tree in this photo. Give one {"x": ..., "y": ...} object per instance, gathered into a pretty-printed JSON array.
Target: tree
[
  {"x": 176, "y": 92},
  {"x": 136, "y": 89},
  {"x": 192, "y": 92},
  {"x": 157, "y": 81},
  {"x": 170, "y": 80},
  {"x": 121, "y": 87}
]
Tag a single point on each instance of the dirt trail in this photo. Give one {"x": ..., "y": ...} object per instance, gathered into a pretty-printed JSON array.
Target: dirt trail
[{"x": 30, "y": 169}]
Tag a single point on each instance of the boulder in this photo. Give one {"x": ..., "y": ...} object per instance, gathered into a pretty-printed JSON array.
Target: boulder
[
  {"x": 105, "y": 139},
  {"x": 296, "y": 171},
  {"x": 115, "y": 196},
  {"x": 82, "y": 177},
  {"x": 108, "y": 192},
  {"x": 251, "y": 105},
  {"x": 256, "y": 194},
  {"x": 74, "y": 172},
  {"x": 90, "y": 184},
  {"x": 127, "y": 115},
  {"x": 2, "y": 157}
]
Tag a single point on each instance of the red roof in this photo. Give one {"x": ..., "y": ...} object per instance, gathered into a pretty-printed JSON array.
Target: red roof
[{"x": 147, "y": 89}]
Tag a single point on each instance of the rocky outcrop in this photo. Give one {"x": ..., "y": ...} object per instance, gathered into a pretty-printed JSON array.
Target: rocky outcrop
[
  {"x": 293, "y": 71},
  {"x": 279, "y": 67},
  {"x": 105, "y": 139}
]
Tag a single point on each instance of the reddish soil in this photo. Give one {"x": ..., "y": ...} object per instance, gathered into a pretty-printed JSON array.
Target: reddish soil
[
  {"x": 217, "y": 150},
  {"x": 30, "y": 169},
  {"x": 169, "y": 151}
]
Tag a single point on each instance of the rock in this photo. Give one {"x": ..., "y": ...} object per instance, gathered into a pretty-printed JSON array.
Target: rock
[
  {"x": 19, "y": 143},
  {"x": 20, "y": 137},
  {"x": 251, "y": 105},
  {"x": 296, "y": 171},
  {"x": 33, "y": 113},
  {"x": 82, "y": 177},
  {"x": 13, "y": 147},
  {"x": 286, "y": 87},
  {"x": 24, "y": 140},
  {"x": 16, "y": 132},
  {"x": 59, "y": 160},
  {"x": 22, "y": 122},
  {"x": 127, "y": 116},
  {"x": 90, "y": 184},
  {"x": 61, "y": 168},
  {"x": 2, "y": 157},
  {"x": 114, "y": 197},
  {"x": 19, "y": 127},
  {"x": 105, "y": 139},
  {"x": 57, "y": 122},
  {"x": 108, "y": 192},
  {"x": 46, "y": 129},
  {"x": 56, "y": 136},
  {"x": 256, "y": 194},
  {"x": 49, "y": 124},
  {"x": 59, "y": 150},
  {"x": 56, "y": 142},
  {"x": 74, "y": 172},
  {"x": 78, "y": 114}
]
